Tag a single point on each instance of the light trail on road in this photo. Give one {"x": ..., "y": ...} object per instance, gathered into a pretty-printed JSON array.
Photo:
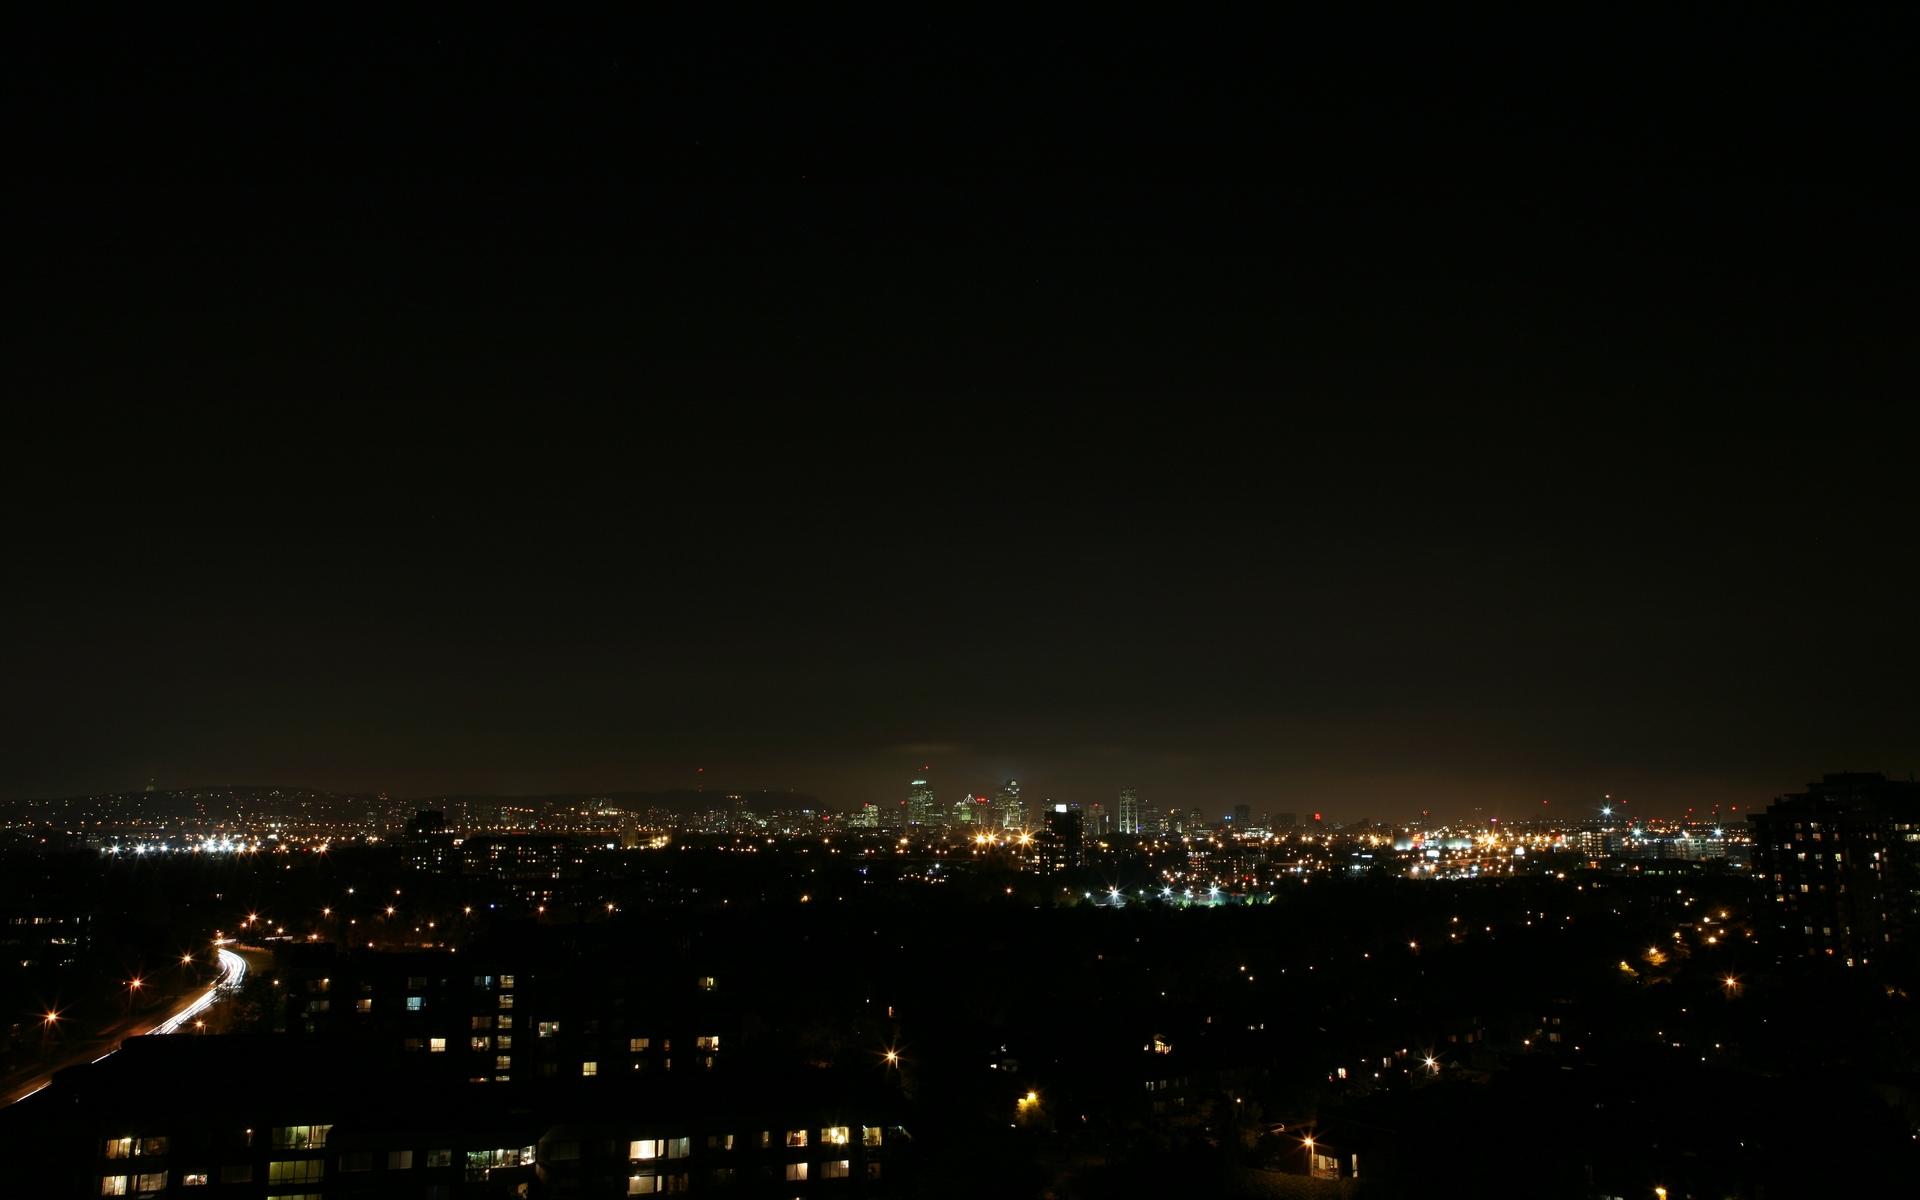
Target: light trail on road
[{"x": 233, "y": 970}]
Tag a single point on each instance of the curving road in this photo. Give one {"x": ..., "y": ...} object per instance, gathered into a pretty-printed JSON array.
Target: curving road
[{"x": 233, "y": 972}]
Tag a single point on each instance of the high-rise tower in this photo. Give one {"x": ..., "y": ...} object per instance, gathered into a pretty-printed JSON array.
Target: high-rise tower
[
  {"x": 921, "y": 809},
  {"x": 1130, "y": 811},
  {"x": 1010, "y": 810}
]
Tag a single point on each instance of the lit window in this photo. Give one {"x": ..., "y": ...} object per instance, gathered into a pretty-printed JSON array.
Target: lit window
[
  {"x": 649, "y": 1148},
  {"x": 504, "y": 1041},
  {"x": 113, "y": 1185},
  {"x": 480, "y": 1163},
  {"x": 193, "y": 1179},
  {"x": 399, "y": 1160},
  {"x": 416, "y": 1003},
  {"x": 636, "y": 1045},
  {"x": 679, "y": 1147},
  {"x": 436, "y": 1045},
  {"x": 503, "y": 1062},
  {"x": 506, "y": 1001},
  {"x": 796, "y": 1137},
  {"x": 589, "y": 1068},
  {"x": 706, "y": 1043},
  {"x": 483, "y": 1022},
  {"x": 869, "y": 1135},
  {"x": 123, "y": 1147},
  {"x": 439, "y": 1158},
  {"x": 294, "y": 1170},
  {"x": 648, "y": 1185},
  {"x": 834, "y": 1135},
  {"x": 506, "y": 981},
  {"x": 506, "y": 1022},
  {"x": 706, "y": 983},
  {"x": 481, "y": 1043},
  {"x": 720, "y": 1141},
  {"x": 796, "y": 1172},
  {"x": 363, "y": 1005},
  {"x": 301, "y": 1137},
  {"x": 549, "y": 1028},
  {"x": 837, "y": 1169}
]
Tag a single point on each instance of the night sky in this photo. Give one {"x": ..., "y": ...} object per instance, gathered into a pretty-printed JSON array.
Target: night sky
[{"x": 1359, "y": 418}]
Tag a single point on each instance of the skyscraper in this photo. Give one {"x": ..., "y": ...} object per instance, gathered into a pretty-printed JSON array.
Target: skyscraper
[
  {"x": 1011, "y": 810},
  {"x": 921, "y": 809},
  {"x": 1130, "y": 812}
]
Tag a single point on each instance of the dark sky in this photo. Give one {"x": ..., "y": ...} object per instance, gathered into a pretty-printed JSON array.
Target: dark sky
[{"x": 1363, "y": 417}]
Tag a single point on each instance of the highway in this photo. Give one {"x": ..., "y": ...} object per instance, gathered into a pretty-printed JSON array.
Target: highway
[{"x": 233, "y": 972}]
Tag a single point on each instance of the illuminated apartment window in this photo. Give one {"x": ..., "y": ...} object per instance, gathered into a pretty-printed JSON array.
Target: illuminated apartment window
[
  {"x": 506, "y": 1022},
  {"x": 796, "y": 1138},
  {"x": 549, "y": 1028},
  {"x": 504, "y": 1041},
  {"x": 506, "y": 1001},
  {"x": 647, "y": 1148},
  {"x": 399, "y": 1160},
  {"x": 706, "y": 1043},
  {"x": 506, "y": 981},
  {"x": 796, "y": 1172},
  {"x": 416, "y": 1003},
  {"x": 193, "y": 1179},
  {"x": 649, "y": 1185},
  {"x": 439, "y": 1158},
  {"x": 679, "y": 1147},
  {"x": 294, "y": 1170},
  {"x": 113, "y": 1185},
  {"x": 483, "y": 981},
  {"x": 766, "y": 1138},
  {"x": 589, "y": 1068},
  {"x": 483, "y": 1023},
  {"x": 834, "y": 1135},
  {"x": 363, "y": 1005},
  {"x": 503, "y": 1062},
  {"x": 123, "y": 1147},
  {"x": 720, "y": 1141},
  {"x": 436, "y": 1045},
  {"x": 636, "y": 1045},
  {"x": 481, "y": 1043},
  {"x": 706, "y": 983},
  {"x": 301, "y": 1137},
  {"x": 837, "y": 1169},
  {"x": 870, "y": 1135}
]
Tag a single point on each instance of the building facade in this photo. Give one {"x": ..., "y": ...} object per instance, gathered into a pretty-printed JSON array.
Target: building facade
[{"x": 1842, "y": 860}]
